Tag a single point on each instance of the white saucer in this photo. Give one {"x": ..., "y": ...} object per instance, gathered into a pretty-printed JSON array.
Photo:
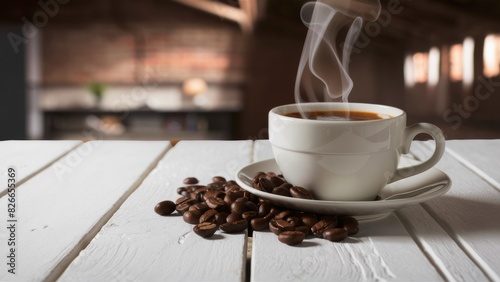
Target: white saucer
[{"x": 425, "y": 186}]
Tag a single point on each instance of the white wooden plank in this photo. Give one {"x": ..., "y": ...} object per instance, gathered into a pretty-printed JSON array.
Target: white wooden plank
[
  {"x": 468, "y": 212},
  {"x": 139, "y": 245},
  {"x": 480, "y": 156},
  {"x": 62, "y": 208},
  {"x": 30, "y": 157},
  {"x": 441, "y": 250},
  {"x": 382, "y": 251}
]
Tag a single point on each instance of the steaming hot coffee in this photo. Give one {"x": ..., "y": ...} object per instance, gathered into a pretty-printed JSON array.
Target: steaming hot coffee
[
  {"x": 337, "y": 115},
  {"x": 346, "y": 161}
]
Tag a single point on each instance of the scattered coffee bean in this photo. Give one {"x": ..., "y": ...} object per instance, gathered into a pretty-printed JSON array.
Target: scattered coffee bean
[
  {"x": 205, "y": 229},
  {"x": 325, "y": 223},
  {"x": 224, "y": 204},
  {"x": 218, "y": 179},
  {"x": 165, "y": 207},
  {"x": 190, "y": 180},
  {"x": 208, "y": 216},
  {"x": 282, "y": 191},
  {"x": 291, "y": 237},
  {"x": 220, "y": 218},
  {"x": 304, "y": 229},
  {"x": 184, "y": 205},
  {"x": 215, "y": 203},
  {"x": 335, "y": 234},
  {"x": 276, "y": 180},
  {"x": 249, "y": 215},
  {"x": 259, "y": 224},
  {"x": 192, "y": 217},
  {"x": 300, "y": 192},
  {"x": 233, "y": 227},
  {"x": 350, "y": 224},
  {"x": 232, "y": 217},
  {"x": 309, "y": 219},
  {"x": 266, "y": 184}
]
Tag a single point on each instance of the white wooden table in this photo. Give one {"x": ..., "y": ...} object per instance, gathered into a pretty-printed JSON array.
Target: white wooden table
[{"x": 84, "y": 212}]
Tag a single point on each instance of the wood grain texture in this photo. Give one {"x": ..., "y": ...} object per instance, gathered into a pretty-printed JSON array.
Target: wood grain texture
[
  {"x": 139, "y": 245},
  {"x": 62, "y": 208},
  {"x": 30, "y": 157},
  {"x": 468, "y": 212},
  {"x": 382, "y": 251},
  {"x": 480, "y": 156}
]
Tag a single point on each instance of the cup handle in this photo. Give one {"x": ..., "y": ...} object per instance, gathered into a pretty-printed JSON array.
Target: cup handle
[{"x": 409, "y": 134}]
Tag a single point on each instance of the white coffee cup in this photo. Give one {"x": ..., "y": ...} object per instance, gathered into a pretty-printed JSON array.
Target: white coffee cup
[{"x": 346, "y": 160}]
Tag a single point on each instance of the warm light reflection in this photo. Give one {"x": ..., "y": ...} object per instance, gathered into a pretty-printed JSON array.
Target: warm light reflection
[
  {"x": 491, "y": 55},
  {"x": 456, "y": 62},
  {"x": 420, "y": 67},
  {"x": 468, "y": 62},
  {"x": 434, "y": 59},
  {"x": 409, "y": 73}
]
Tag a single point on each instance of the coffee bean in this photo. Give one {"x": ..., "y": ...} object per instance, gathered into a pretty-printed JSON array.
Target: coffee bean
[
  {"x": 208, "y": 216},
  {"x": 233, "y": 227},
  {"x": 259, "y": 223},
  {"x": 309, "y": 219},
  {"x": 180, "y": 190},
  {"x": 264, "y": 209},
  {"x": 165, "y": 207},
  {"x": 335, "y": 234},
  {"x": 251, "y": 206},
  {"x": 279, "y": 225},
  {"x": 304, "y": 229},
  {"x": 185, "y": 194},
  {"x": 190, "y": 180},
  {"x": 192, "y": 217},
  {"x": 218, "y": 186},
  {"x": 213, "y": 194},
  {"x": 266, "y": 184},
  {"x": 282, "y": 191},
  {"x": 231, "y": 197},
  {"x": 202, "y": 207},
  {"x": 180, "y": 200},
  {"x": 300, "y": 192},
  {"x": 232, "y": 217},
  {"x": 220, "y": 218},
  {"x": 327, "y": 222},
  {"x": 215, "y": 203},
  {"x": 239, "y": 207},
  {"x": 218, "y": 179},
  {"x": 291, "y": 237},
  {"x": 231, "y": 183},
  {"x": 184, "y": 205},
  {"x": 350, "y": 224},
  {"x": 294, "y": 220},
  {"x": 277, "y": 181},
  {"x": 205, "y": 229},
  {"x": 286, "y": 185},
  {"x": 192, "y": 188},
  {"x": 283, "y": 214},
  {"x": 249, "y": 215}
]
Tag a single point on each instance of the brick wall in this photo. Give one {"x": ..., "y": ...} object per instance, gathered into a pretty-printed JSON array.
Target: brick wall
[{"x": 118, "y": 42}]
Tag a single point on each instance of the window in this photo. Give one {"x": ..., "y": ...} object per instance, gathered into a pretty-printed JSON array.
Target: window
[
  {"x": 456, "y": 62},
  {"x": 434, "y": 66},
  {"x": 491, "y": 55}
]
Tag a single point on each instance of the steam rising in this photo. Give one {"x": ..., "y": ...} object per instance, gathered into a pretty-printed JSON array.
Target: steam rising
[{"x": 323, "y": 73}]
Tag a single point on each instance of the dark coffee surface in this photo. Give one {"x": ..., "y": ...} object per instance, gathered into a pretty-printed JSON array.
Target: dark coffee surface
[{"x": 336, "y": 115}]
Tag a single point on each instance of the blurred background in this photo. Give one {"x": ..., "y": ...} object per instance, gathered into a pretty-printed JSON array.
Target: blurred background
[{"x": 206, "y": 69}]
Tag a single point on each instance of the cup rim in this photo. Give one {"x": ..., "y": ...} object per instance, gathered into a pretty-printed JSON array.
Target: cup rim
[{"x": 325, "y": 104}]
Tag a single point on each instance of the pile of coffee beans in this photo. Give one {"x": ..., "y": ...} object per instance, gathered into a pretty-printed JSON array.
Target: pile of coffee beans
[{"x": 226, "y": 206}]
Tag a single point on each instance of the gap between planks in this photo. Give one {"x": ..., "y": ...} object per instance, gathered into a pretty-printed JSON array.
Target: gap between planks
[
  {"x": 65, "y": 262},
  {"x": 463, "y": 245},
  {"x": 42, "y": 168}
]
